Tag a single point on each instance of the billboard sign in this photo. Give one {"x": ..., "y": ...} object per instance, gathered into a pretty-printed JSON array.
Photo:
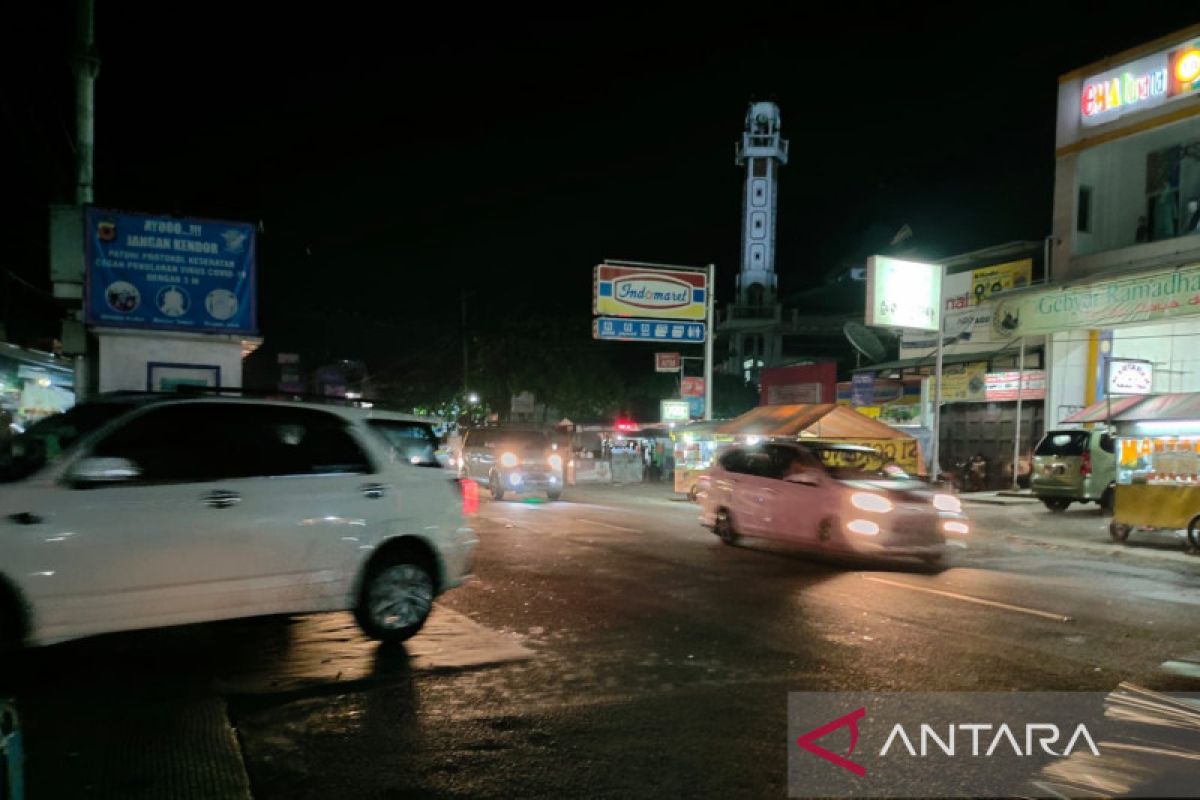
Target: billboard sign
[
  {"x": 1130, "y": 376},
  {"x": 654, "y": 293},
  {"x": 674, "y": 411},
  {"x": 667, "y": 362},
  {"x": 647, "y": 330},
  {"x": 146, "y": 271},
  {"x": 903, "y": 294},
  {"x": 987, "y": 281},
  {"x": 1139, "y": 85},
  {"x": 1148, "y": 297}
]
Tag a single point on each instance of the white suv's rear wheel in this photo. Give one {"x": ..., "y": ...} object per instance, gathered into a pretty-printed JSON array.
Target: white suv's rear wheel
[{"x": 395, "y": 601}]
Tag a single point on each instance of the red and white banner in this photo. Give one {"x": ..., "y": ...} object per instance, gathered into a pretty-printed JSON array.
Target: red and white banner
[{"x": 1002, "y": 386}]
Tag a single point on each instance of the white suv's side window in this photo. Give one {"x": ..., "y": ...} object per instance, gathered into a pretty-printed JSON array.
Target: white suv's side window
[{"x": 198, "y": 442}]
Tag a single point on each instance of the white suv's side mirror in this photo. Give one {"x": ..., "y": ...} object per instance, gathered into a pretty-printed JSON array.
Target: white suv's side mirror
[{"x": 97, "y": 471}]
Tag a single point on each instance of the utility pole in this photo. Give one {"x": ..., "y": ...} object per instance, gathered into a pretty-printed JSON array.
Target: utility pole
[
  {"x": 87, "y": 67},
  {"x": 708, "y": 341}
]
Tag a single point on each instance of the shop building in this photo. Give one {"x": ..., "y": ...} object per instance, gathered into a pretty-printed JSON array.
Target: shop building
[
  {"x": 1125, "y": 262},
  {"x": 988, "y": 377}
]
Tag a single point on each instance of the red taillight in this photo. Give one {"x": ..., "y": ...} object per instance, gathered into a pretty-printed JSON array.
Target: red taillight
[
  {"x": 1085, "y": 468},
  {"x": 469, "y": 490}
]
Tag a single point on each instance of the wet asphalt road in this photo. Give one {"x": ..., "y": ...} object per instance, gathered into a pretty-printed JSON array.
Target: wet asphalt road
[{"x": 611, "y": 647}]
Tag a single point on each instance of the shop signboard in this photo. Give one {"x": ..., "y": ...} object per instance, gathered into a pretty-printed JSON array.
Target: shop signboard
[
  {"x": 862, "y": 389},
  {"x": 987, "y": 281},
  {"x": 692, "y": 387},
  {"x": 790, "y": 393},
  {"x": 674, "y": 410},
  {"x": 692, "y": 390},
  {"x": 903, "y": 294},
  {"x": 654, "y": 293},
  {"x": 168, "y": 273},
  {"x": 1148, "y": 297},
  {"x": 647, "y": 330},
  {"x": 968, "y": 315},
  {"x": 966, "y": 386},
  {"x": 1130, "y": 376},
  {"x": 1002, "y": 386},
  {"x": 667, "y": 362},
  {"x": 1143, "y": 84}
]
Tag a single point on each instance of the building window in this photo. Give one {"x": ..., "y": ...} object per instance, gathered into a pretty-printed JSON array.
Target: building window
[
  {"x": 1083, "y": 220},
  {"x": 1139, "y": 189}
]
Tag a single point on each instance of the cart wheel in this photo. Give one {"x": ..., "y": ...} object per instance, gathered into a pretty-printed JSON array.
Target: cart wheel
[
  {"x": 1118, "y": 532},
  {"x": 1193, "y": 534}
]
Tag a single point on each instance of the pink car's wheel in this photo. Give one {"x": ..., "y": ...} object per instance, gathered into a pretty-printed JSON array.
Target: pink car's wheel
[{"x": 724, "y": 528}]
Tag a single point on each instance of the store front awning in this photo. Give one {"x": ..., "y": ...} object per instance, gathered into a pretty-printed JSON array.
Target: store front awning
[
  {"x": 931, "y": 360},
  {"x": 1166, "y": 407},
  {"x": 824, "y": 420},
  {"x": 1098, "y": 412}
]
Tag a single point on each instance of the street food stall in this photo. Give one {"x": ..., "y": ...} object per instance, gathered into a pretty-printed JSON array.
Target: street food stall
[
  {"x": 33, "y": 385},
  {"x": 695, "y": 447},
  {"x": 1157, "y": 443},
  {"x": 827, "y": 422}
]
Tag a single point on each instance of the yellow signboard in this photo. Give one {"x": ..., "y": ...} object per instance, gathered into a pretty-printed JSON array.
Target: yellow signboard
[
  {"x": 969, "y": 385},
  {"x": 1000, "y": 278}
]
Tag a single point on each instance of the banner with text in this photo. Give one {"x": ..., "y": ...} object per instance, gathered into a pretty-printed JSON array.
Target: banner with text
[
  {"x": 1148, "y": 297},
  {"x": 161, "y": 272}
]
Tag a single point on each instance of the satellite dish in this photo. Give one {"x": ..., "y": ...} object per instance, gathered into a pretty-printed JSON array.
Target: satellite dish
[{"x": 864, "y": 341}]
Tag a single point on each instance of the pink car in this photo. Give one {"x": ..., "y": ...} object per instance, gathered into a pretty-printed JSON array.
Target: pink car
[{"x": 834, "y": 497}]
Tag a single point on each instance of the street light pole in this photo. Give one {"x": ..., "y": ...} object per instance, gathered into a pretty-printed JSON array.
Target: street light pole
[
  {"x": 710, "y": 334},
  {"x": 1017, "y": 436},
  {"x": 937, "y": 395}
]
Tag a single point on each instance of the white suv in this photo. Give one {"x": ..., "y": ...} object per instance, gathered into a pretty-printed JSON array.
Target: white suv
[{"x": 139, "y": 511}]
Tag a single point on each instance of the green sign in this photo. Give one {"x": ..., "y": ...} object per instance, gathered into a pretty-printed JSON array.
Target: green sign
[
  {"x": 1142, "y": 298},
  {"x": 674, "y": 411}
]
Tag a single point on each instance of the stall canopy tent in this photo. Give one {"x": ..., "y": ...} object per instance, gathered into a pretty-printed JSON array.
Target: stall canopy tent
[
  {"x": 809, "y": 421},
  {"x": 1178, "y": 406}
]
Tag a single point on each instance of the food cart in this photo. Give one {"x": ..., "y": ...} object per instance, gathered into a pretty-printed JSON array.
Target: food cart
[
  {"x": 1157, "y": 443},
  {"x": 695, "y": 447}
]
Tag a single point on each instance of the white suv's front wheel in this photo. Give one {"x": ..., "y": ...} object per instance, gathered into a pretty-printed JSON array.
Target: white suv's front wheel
[{"x": 396, "y": 598}]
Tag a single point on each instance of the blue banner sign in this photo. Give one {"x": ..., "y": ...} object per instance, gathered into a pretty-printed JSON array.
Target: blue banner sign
[
  {"x": 170, "y": 273},
  {"x": 647, "y": 330}
]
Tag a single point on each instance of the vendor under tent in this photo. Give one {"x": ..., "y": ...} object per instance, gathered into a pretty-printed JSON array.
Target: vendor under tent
[
  {"x": 826, "y": 422},
  {"x": 695, "y": 447},
  {"x": 1157, "y": 445}
]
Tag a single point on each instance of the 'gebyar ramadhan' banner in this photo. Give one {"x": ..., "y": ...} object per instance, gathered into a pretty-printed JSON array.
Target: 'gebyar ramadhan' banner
[
  {"x": 148, "y": 271},
  {"x": 1142, "y": 298}
]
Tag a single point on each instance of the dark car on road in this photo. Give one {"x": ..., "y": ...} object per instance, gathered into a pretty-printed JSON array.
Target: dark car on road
[{"x": 512, "y": 460}]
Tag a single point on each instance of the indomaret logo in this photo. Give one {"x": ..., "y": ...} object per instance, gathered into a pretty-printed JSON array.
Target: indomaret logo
[{"x": 973, "y": 739}]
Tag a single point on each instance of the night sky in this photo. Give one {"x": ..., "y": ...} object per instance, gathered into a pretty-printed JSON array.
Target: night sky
[{"x": 395, "y": 159}]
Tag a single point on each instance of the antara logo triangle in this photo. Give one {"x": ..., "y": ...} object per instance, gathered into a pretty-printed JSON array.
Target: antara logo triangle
[{"x": 808, "y": 741}]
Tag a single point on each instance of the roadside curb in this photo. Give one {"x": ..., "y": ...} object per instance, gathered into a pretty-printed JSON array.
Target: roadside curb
[{"x": 999, "y": 500}]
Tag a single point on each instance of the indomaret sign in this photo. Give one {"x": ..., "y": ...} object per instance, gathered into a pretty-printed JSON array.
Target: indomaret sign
[{"x": 653, "y": 293}]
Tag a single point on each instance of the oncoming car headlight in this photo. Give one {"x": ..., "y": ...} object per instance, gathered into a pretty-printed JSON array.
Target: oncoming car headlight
[
  {"x": 508, "y": 460},
  {"x": 947, "y": 502},
  {"x": 555, "y": 461},
  {"x": 869, "y": 501}
]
